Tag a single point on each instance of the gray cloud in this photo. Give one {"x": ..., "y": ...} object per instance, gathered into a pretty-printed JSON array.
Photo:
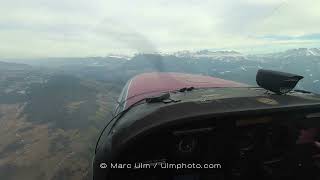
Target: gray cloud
[
  {"x": 312, "y": 37},
  {"x": 84, "y": 28},
  {"x": 119, "y": 32},
  {"x": 242, "y": 16}
]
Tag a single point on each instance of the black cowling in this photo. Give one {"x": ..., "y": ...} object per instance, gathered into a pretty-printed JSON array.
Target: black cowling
[{"x": 276, "y": 81}]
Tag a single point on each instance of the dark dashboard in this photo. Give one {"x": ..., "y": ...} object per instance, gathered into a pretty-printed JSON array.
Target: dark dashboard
[{"x": 234, "y": 148}]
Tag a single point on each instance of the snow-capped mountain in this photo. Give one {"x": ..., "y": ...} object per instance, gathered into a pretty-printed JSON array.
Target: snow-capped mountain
[
  {"x": 303, "y": 52},
  {"x": 220, "y": 55},
  {"x": 300, "y": 52},
  {"x": 119, "y": 56}
]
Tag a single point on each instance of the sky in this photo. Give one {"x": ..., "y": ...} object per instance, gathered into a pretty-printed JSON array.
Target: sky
[{"x": 73, "y": 28}]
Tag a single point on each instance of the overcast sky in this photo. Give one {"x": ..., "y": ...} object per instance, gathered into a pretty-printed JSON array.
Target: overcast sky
[{"x": 51, "y": 28}]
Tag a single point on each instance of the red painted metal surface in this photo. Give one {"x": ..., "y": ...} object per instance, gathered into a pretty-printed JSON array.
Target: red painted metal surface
[{"x": 150, "y": 84}]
